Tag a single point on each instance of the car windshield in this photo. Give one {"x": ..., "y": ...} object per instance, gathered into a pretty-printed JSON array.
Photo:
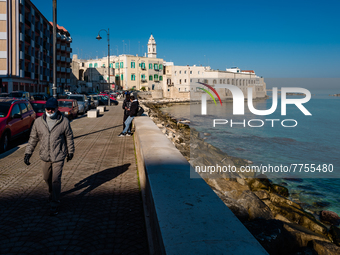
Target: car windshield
[
  {"x": 15, "y": 94},
  {"x": 38, "y": 108},
  {"x": 76, "y": 98},
  {"x": 4, "y": 108},
  {"x": 65, "y": 104}
]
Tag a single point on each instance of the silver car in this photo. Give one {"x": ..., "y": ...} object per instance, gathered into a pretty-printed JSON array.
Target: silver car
[
  {"x": 94, "y": 101},
  {"x": 83, "y": 102}
]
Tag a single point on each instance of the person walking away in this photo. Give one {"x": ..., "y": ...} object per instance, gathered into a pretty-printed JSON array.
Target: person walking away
[
  {"x": 131, "y": 114},
  {"x": 54, "y": 132},
  {"x": 126, "y": 106}
]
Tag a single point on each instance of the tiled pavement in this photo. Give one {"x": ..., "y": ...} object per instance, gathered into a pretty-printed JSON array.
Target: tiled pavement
[{"x": 101, "y": 208}]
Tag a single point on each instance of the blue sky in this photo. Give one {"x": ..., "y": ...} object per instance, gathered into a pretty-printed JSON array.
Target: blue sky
[{"x": 276, "y": 39}]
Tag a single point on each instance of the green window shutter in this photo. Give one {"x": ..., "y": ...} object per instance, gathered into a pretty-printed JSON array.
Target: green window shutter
[
  {"x": 117, "y": 65},
  {"x": 95, "y": 65},
  {"x": 150, "y": 66},
  {"x": 121, "y": 64},
  {"x": 156, "y": 76},
  {"x": 143, "y": 65},
  {"x": 90, "y": 65},
  {"x": 156, "y": 66},
  {"x": 122, "y": 77},
  {"x": 160, "y": 66},
  {"x": 133, "y": 77},
  {"x": 160, "y": 78},
  {"x": 132, "y": 64},
  {"x": 150, "y": 77}
]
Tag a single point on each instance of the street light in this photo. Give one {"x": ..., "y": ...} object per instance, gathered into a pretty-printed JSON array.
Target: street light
[
  {"x": 54, "y": 88},
  {"x": 108, "y": 51}
]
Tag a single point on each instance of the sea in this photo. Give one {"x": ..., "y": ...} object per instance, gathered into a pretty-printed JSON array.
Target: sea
[{"x": 314, "y": 140}]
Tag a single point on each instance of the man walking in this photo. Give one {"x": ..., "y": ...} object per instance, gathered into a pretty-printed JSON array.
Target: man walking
[{"x": 56, "y": 143}]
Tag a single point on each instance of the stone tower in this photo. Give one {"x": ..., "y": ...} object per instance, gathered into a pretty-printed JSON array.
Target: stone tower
[{"x": 152, "y": 52}]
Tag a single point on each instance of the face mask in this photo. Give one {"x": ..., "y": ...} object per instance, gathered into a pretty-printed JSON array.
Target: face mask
[{"x": 51, "y": 115}]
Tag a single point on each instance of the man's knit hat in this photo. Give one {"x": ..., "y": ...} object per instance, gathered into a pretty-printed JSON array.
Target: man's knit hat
[{"x": 51, "y": 103}]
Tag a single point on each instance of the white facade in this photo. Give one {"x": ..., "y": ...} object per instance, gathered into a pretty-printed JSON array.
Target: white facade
[{"x": 152, "y": 50}]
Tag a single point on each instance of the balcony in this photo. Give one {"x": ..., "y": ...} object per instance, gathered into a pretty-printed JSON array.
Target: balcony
[
  {"x": 22, "y": 20},
  {"x": 58, "y": 46},
  {"x": 21, "y": 37},
  {"x": 68, "y": 60},
  {"x": 68, "y": 70},
  {"x": 63, "y": 69},
  {"x": 21, "y": 55},
  {"x": 63, "y": 58},
  {"x": 21, "y": 73},
  {"x": 62, "y": 80},
  {"x": 63, "y": 47},
  {"x": 58, "y": 57},
  {"x": 144, "y": 80},
  {"x": 58, "y": 68}
]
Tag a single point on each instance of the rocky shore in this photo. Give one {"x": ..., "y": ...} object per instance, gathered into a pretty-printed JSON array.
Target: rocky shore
[{"x": 281, "y": 226}]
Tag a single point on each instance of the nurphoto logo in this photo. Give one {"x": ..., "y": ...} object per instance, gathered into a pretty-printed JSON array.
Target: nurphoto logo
[{"x": 238, "y": 105}]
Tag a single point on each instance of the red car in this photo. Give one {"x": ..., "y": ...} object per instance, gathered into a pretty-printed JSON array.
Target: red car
[
  {"x": 16, "y": 118},
  {"x": 112, "y": 97},
  {"x": 38, "y": 107},
  {"x": 69, "y": 107}
]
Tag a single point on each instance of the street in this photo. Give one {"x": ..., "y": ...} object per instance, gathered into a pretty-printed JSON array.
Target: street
[{"x": 101, "y": 207}]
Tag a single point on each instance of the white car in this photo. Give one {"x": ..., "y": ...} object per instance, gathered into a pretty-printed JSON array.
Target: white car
[{"x": 68, "y": 93}]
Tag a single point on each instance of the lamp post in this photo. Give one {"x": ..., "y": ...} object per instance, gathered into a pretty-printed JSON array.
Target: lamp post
[
  {"x": 108, "y": 51},
  {"x": 54, "y": 88}
]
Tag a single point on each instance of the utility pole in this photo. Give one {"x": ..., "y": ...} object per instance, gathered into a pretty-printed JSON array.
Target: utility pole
[{"x": 54, "y": 88}]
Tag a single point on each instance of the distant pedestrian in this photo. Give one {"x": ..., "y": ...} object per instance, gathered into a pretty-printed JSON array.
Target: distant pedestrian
[
  {"x": 55, "y": 135},
  {"x": 126, "y": 106},
  {"x": 132, "y": 112}
]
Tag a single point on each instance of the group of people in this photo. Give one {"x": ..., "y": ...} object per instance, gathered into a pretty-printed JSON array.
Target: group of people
[
  {"x": 55, "y": 135},
  {"x": 130, "y": 107}
]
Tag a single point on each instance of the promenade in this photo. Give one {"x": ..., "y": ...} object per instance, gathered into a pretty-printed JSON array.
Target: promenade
[{"x": 101, "y": 206}]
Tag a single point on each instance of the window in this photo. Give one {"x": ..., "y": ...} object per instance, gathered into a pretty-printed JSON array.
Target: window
[
  {"x": 160, "y": 66},
  {"x": 15, "y": 110},
  {"x": 223, "y": 81},
  {"x": 23, "y": 108},
  {"x": 143, "y": 65},
  {"x": 220, "y": 81},
  {"x": 95, "y": 65},
  {"x": 214, "y": 81},
  {"x": 156, "y": 66},
  {"x": 111, "y": 65},
  {"x": 160, "y": 78},
  {"x": 190, "y": 72},
  {"x": 122, "y": 77},
  {"x": 198, "y": 72},
  {"x": 90, "y": 65},
  {"x": 117, "y": 65},
  {"x": 180, "y": 81},
  {"x": 198, "y": 80},
  {"x": 185, "y": 80},
  {"x": 143, "y": 77},
  {"x": 103, "y": 65},
  {"x": 156, "y": 77},
  {"x": 185, "y": 72},
  {"x": 150, "y": 77},
  {"x": 175, "y": 72},
  {"x": 153, "y": 86},
  {"x": 133, "y": 77},
  {"x": 133, "y": 64},
  {"x": 121, "y": 64},
  {"x": 190, "y": 80},
  {"x": 150, "y": 66},
  {"x": 180, "y": 72}
]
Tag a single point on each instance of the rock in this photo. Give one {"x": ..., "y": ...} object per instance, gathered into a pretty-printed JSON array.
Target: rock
[
  {"x": 257, "y": 184},
  {"x": 262, "y": 194},
  {"x": 240, "y": 212},
  {"x": 321, "y": 204},
  {"x": 325, "y": 248},
  {"x": 241, "y": 181},
  {"x": 272, "y": 236},
  {"x": 207, "y": 134},
  {"x": 281, "y": 218},
  {"x": 284, "y": 184},
  {"x": 297, "y": 215},
  {"x": 277, "y": 199},
  {"x": 239, "y": 149},
  {"x": 303, "y": 235},
  {"x": 228, "y": 188},
  {"x": 283, "y": 191},
  {"x": 256, "y": 208},
  {"x": 335, "y": 234},
  {"x": 329, "y": 217}
]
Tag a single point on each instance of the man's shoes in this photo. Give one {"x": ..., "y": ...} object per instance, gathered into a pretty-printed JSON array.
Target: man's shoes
[
  {"x": 128, "y": 134},
  {"x": 121, "y": 134},
  {"x": 54, "y": 210}
]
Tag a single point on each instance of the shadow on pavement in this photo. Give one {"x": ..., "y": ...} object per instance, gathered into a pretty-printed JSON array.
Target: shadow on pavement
[
  {"x": 97, "y": 179},
  {"x": 96, "y": 131}
]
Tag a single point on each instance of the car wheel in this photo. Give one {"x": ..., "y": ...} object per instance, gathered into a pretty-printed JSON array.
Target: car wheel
[{"x": 4, "y": 142}]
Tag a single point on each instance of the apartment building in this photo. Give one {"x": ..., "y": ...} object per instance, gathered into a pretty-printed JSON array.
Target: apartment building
[
  {"x": 181, "y": 81},
  {"x": 26, "y": 49}
]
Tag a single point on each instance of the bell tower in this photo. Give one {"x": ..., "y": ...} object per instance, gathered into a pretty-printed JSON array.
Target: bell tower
[{"x": 152, "y": 52}]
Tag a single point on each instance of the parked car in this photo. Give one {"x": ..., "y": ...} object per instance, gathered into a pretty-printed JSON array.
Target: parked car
[
  {"x": 4, "y": 94},
  {"x": 20, "y": 94},
  {"x": 38, "y": 107},
  {"x": 38, "y": 96},
  {"x": 83, "y": 102},
  {"x": 94, "y": 101},
  {"x": 69, "y": 107},
  {"x": 112, "y": 96},
  {"x": 16, "y": 118}
]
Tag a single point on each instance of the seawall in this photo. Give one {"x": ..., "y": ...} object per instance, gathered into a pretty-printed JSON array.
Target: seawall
[{"x": 183, "y": 214}]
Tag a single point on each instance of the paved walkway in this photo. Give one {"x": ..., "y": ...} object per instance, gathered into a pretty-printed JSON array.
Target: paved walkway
[{"x": 101, "y": 208}]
